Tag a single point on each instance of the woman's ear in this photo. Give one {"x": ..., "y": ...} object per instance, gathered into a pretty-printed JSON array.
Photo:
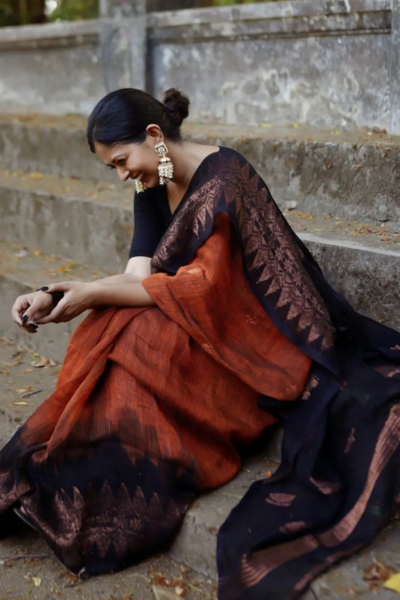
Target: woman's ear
[{"x": 154, "y": 132}]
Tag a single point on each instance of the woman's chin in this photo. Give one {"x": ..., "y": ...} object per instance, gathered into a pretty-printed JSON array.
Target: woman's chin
[{"x": 150, "y": 182}]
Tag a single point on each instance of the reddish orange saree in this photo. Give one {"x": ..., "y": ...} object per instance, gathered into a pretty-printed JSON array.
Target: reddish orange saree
[
  {"x": 151, "y": 404},
  {"x": 147, "y": 411}
]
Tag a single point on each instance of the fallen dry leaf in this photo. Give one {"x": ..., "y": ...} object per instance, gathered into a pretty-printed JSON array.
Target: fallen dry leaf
[
  {"x": 376, "y": 573},
  {"x": 22, "y": 403},
  {"x": 44, "y": 362},
  {"x": 24, "y": 390},
  {"x": 36, "y": 581},
  {"x": 36, "y": 175}
]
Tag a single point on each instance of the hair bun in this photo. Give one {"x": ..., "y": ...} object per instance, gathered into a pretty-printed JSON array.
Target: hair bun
[{"x": 177, "y": 106}]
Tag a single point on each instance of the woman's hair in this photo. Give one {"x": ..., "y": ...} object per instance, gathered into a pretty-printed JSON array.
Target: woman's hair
[{"x": 122, "y": 116}]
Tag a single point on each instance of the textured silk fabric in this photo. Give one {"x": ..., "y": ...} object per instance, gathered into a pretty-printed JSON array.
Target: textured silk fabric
[
  {"x": 339, "y": 479},
  {"x": 148, "y": 409}
]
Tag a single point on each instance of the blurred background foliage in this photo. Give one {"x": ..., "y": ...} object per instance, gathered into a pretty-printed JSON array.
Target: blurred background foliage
[{"x": 26, "y": 12}]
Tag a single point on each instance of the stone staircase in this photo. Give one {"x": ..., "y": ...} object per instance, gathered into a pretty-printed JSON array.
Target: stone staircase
[{"x": 65, "y": 216}]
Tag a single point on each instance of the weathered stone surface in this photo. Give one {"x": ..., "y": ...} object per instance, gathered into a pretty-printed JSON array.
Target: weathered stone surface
[
  {"x": 83, "y": 229},
  {"x": 55, "y": 145},
  {"x": 354, "y": 175},
  {"x": 395, "y": 68},
  {"x": 124, "y": 43},
  {"x": 278, "y": 62},
  {"x": 99, "y": 233},
  {"x": 31, "y": 75},
  {"x": 323, "y": 63},
  {"x": 368, "y": 280}
]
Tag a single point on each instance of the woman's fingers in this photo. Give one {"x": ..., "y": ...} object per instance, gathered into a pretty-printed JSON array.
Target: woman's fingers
[
  {"x": 41, "y": 307},
  {"x": 62, "y": 286},
  {"x": 28, "y": 308},
  {"x": 19, "y": 307},
  {"x": 54, "y": 316}
]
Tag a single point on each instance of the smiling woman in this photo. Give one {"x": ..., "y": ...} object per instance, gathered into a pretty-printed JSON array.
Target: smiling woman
[{"x": 222, "y": 324}]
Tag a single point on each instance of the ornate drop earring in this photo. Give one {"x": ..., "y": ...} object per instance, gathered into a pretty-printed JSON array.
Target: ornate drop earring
[
  {"x": 165, "y": 168},
  {"x": 140, "y": 187}
]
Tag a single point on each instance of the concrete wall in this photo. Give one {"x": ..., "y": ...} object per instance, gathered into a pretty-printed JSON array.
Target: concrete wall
[
  {"x": 327, "y": 63},
  {"x": 322, "y": 63},
  {"x": 55, "y": 68}
]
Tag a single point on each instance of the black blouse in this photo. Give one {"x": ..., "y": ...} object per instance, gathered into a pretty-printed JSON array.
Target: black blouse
[
  {"x": 152, "y": 217},
  {"x": 152, "y": 213}
]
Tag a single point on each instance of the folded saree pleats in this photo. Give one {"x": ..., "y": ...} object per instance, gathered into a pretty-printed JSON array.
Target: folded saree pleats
[{"x": 149, "y": 406}]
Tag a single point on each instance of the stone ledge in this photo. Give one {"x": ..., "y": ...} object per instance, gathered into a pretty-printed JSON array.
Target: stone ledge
[
  {"x": 270, "y": 10},
  {"x": 51, "y": 35},
  {"x": 350, "y": 174},
  {"x": 264, "y": 21},
  {"x": 360, "y": 261}
]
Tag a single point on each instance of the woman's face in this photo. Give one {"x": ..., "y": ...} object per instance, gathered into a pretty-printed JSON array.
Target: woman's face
[{"x": 133, "y": 161}]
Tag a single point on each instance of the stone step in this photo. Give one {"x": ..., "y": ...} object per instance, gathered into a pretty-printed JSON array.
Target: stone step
[
  {"x": 91, "y": 223},
  {"x": 87, "y": 221},
  {"x": 350, "y": 174}
]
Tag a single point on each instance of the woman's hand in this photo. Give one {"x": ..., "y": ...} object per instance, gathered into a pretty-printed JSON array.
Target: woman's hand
[
  {"x": 30, "y": 307},
  {"x": 77, "y": 298}
]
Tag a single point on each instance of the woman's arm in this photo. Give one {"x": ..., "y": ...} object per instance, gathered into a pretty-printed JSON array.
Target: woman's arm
[
  {"x": 137, "y": 269},
  {"x": 81, "y": 296},
  {"x": 129, "y": 294},
  {"x": 123, "y": 290}
]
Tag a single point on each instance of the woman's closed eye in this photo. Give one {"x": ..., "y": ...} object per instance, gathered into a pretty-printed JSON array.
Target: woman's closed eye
[{"x": 120, "y": 163}]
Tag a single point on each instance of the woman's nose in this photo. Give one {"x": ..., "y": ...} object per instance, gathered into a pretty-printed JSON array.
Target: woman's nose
[{"x": 123, "y": 174}]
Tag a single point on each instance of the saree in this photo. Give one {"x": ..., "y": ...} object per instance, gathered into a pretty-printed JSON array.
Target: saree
[{"x": 151, "y": 405}]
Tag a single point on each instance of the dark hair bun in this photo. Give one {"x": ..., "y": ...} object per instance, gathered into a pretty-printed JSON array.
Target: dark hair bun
[{"x": 176, "y": 105}]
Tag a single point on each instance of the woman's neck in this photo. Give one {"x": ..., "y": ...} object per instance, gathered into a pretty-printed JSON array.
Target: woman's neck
[{"x": 186, "y": 158}]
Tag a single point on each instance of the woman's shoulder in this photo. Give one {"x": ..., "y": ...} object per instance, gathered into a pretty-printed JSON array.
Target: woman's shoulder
[
  {"x": 229, "y": 153},
  {"x": 233, "y": 161},
  {"x": 229, "y": 165}
]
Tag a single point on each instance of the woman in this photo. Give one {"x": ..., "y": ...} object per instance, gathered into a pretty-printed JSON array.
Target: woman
[{"x": 221, "y": 324}]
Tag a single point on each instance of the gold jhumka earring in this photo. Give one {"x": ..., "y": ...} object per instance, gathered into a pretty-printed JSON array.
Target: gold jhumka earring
[
  {"x": 165, "y": 168},
  {"x": 140, "y": 187}
]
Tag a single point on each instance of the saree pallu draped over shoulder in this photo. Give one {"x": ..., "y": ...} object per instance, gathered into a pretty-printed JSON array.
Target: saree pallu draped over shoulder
[{"x": 151, "y": 404}]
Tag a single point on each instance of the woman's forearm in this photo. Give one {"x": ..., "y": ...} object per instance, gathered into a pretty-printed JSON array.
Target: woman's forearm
[
  {"x": 131, "y": 294},
  {"x": 120, "y": 279}
]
